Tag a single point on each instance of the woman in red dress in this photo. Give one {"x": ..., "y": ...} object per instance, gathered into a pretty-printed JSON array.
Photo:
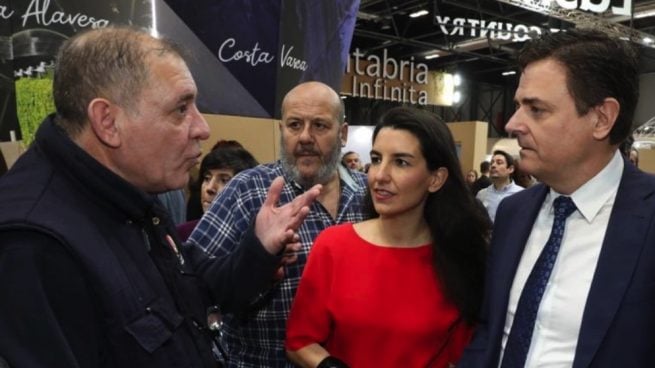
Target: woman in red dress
[{"x": 402, "y": 289}]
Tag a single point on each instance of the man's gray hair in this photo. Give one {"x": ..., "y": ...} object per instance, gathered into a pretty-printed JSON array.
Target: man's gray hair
[{"x": 110, "y": 63}]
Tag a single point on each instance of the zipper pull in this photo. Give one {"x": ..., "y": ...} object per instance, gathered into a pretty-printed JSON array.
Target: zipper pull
[{"x": 171, "y": 243}]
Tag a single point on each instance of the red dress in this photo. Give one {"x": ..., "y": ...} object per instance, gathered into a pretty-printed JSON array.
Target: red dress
[{"x": 374, "y": 306}]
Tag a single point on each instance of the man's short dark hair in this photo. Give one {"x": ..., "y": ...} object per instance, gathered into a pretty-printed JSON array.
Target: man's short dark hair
[
  {"x": 484, "y": 167},
  {"x": 597, "y": 66},
  {"x": 110, "y": 63},
  {"x": 508, "y": 158}
]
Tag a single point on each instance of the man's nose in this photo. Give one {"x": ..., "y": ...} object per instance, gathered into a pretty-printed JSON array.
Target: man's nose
[
  {"x": 306, "y": 134},
  {"x": 199, "y": 128},
  {"x": 512, "y": 125}
]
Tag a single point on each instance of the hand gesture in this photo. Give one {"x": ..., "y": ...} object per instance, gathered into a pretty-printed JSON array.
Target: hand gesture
[{"x": 275, "y": 227}]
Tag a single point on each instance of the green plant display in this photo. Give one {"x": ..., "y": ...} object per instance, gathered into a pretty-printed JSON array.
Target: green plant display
[{"x": 34, "y": 102}]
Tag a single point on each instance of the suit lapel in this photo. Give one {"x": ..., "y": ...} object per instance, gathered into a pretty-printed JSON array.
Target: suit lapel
[{"x": 633, "y": 207}]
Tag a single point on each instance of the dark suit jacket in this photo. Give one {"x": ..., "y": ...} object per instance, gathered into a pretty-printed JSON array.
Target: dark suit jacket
[
  {"x": 482, "y": 182},
  {"x": 618, "y": 324}
]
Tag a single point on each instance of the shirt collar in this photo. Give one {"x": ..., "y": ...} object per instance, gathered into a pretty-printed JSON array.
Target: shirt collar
[
  {"x": 345, "y": 175},
  {"x": 503, "y": 189},
  {"x": 593, "y": 194}
]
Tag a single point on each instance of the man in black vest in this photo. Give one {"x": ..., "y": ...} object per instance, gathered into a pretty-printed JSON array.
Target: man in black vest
[{"x": 92, "y": 272}]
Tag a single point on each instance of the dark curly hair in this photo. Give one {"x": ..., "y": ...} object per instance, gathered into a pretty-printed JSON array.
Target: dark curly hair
[{"x": 227, "y": 155}]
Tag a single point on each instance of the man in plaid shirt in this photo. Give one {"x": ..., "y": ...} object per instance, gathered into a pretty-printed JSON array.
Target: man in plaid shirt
[{"x": 312, "y": 133}]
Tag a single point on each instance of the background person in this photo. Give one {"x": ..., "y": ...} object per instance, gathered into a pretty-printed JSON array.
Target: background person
[
  {"x": 402, "y": 289},
  {"x": 471, "y": 177},
  {"x": 521, "y": 178},
  {"x": 217, "y": 168},
  {"x": 502, "y": 185},
  {"x": 351, "y": 160},
  {"x": 312, "y": 132},
  {"x": 633, "y": 157},
  {"x": 194, "y": 210},
  {"x": 175, "y": 203},
  {"x": 483, "y": 181}
]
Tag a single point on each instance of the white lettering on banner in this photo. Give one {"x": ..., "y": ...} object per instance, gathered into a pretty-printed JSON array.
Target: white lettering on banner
[
  {"x": 356, "y": 55},
  {"x": 379, "y": 90},
  {"x": 252, "y": 57},
  {"x": 458, "y": 29},
  {"x": 598, "y": 6},
  {"x": 290, "y": 61},
  {"x": 228, "y": 52},
  {"x": 442, "y": 20},
  {"x": 492, "y": 29},
  {"x": 39, "y": 11},
  {"x": 388, "y": 69},
  {"x": 5, "y": 13}
]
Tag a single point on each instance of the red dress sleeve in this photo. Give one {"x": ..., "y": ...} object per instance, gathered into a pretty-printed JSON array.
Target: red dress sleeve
[{"x": 309, "y": 321}]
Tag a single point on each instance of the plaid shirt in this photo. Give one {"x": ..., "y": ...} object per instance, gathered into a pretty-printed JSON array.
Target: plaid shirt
[{"x": 255, "y": 338}]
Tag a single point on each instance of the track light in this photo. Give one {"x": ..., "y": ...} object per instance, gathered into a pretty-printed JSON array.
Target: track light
[{"x": 419, "y": 13}]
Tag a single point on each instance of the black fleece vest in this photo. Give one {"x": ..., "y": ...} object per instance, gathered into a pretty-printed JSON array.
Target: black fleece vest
[{"x": 151, "y": 306}]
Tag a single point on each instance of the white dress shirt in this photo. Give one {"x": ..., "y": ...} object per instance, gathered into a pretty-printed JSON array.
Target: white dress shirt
[
  {"x": 491, "y": 197},
  {"x": 557, "y": 327}
]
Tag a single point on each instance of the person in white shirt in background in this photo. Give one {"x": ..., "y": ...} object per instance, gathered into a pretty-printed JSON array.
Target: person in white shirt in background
[{"x": 500, "y": 173}]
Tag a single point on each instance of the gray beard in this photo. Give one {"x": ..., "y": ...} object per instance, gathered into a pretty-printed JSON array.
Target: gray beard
[{"x": 324, "y": 173}]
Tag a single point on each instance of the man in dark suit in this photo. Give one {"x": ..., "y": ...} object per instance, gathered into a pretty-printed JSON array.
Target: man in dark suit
[{"x": 581, "y": 294}]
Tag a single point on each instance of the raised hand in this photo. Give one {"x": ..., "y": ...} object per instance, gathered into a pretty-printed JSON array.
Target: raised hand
[{"x": 275, "y": 227}]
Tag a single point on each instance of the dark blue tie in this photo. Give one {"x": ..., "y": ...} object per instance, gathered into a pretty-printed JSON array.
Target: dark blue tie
[{"x": 520, "y": 336}]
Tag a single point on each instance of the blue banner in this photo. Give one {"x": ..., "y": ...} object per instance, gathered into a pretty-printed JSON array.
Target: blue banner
[{"x": 246, "y": 54}]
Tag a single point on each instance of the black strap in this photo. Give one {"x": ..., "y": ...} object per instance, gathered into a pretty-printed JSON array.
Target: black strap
[{"x": 332, "y": 362}]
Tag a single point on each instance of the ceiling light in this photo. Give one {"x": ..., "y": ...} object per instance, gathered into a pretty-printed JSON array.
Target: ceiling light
[
  {"x": 457, "y": 96},
  {"x": 457, "y": 80},
  {"x": 473, "y": 43},
  {"x": 419, "y": 13},
  {"x": 647, "y": 40},
  {"x": 153, "y": 28},
  {"x": 509, "y": 72},
  {"x": 367, "y": 16},
  {"x": 432, "y": 56}
]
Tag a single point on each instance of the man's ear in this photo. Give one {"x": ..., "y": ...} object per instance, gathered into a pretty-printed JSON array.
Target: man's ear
[
  {"x": 438, "y": 179},
  {"x": 606, "y": 114},
  {"x": 102, "y": 115},
  {"x": 343, "y": 131}
]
